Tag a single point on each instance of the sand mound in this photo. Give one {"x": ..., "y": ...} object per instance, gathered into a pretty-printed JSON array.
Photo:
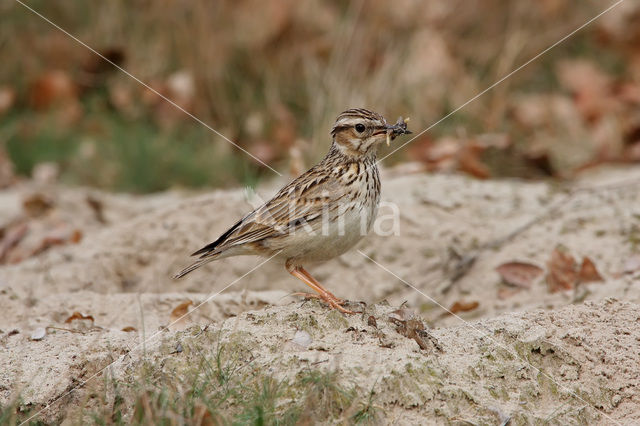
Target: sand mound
[{"x": 566, "y": 355}]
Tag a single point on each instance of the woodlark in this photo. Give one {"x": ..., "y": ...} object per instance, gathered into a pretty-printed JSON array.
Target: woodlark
[{"x": 323, "y": 212}]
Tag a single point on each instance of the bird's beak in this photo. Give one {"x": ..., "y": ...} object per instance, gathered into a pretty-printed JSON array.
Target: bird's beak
[{"x": 398, "y": 128}]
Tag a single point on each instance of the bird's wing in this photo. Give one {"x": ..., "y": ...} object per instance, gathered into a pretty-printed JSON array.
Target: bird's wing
[{"x": 300, "y": 203}]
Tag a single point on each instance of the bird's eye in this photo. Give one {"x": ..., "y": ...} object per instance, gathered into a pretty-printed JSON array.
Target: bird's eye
[{"x": 360, "y": 127}]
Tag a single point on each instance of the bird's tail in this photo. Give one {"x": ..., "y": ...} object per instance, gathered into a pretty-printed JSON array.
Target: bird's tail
[{"x": 195, "y": 265}]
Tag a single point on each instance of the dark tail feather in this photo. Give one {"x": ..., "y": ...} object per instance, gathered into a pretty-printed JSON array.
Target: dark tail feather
[
  {"x": 195, "y": 265},
  {"x": 204, "y": 251},
  {"x": 209, "y": 252}
]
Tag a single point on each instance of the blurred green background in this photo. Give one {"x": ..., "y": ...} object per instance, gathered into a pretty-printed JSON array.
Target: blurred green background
[{"x": 272, "y": 76}]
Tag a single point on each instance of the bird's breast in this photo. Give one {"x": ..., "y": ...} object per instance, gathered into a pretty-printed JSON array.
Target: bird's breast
[{"x": 344, "y": 223}]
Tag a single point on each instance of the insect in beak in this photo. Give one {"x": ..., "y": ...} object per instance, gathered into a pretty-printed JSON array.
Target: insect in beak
[{"x": 399, "y": 128}]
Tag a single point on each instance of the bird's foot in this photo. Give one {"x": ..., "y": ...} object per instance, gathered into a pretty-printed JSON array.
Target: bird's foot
[{"x": 329, "y": 299}]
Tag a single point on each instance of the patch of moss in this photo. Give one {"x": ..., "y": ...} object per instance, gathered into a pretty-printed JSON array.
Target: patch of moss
[{"x": 306, "y": 322}]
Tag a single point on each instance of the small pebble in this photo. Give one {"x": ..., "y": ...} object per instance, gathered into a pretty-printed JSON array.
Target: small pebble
[
  {"x": 302, "y": 338},
  {"x": 38, "y": 333}
]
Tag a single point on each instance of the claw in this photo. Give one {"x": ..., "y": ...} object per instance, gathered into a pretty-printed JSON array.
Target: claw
[
  {"x": 329, "y": 299},
  {"x": 323, "y": 294}
]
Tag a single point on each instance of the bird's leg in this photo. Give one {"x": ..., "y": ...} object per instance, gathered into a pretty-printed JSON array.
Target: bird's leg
[
  {"x": 310, "y": 278},
  {"x": 323, "y": 293}
]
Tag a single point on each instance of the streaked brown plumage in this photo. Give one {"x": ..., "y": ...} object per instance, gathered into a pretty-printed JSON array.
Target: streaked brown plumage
[{"x": 320, "y": 214}]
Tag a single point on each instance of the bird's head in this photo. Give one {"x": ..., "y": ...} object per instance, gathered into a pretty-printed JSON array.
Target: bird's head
[{"x": 359, "y": 131}]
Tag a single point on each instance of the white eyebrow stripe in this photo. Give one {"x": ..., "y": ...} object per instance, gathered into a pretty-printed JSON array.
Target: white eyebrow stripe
[
  {"x": 352, "y": 121},
  {"x": 349, "y": 121}
]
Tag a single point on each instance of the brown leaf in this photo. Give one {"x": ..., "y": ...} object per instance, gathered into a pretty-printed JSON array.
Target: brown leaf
[
  {"x": 180, "y": 311},
  {"x": 437, "y": 155},
  {"x": 98, "y": 208},
  {"x": 562, "y": 274},
  {"x": 590, "y": 86},
  {"x": 76, "y": 236},
  {"x": 37, "y": 204},
  {"x": 55, "y": 238},
  {"x": 588, "y": 271},
  {"x": 463, "y": 307},
  {"x": 519, "y": 274},
  {"x": 469, "y": 161},
  {"x": 52, "y": 87},
  {"x": 11, "y": 239},
  {"x": 129, "y": 329},
  {"x": 78, "y": 316}
]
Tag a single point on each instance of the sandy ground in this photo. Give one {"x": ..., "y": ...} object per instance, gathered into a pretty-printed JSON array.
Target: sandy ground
[{"x": 529, "y": 354}]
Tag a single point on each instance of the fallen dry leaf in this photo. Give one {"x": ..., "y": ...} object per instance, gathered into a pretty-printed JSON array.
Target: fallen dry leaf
[
  {"x": 591, "y": 88},
  {"x": 11, "y": 239},
  {"x": 51, "y": 88},
  {"x": 78, "y": 316},
  {"x": 463, "y": 307},
  {"x": 98, "y": 208},
  {"x": 129, "y": 329},
  {"x": 588, "y": 272},
  {"x": 37, "y": 204},
  {"x": 437, "y": 155},
  {"x": 180, "y": 311},
  {"x": 470, "y": 163},
  {"x": 562, "y": 274},
  {"x": 76, "y": 236},
  {"x": 519, "y": 274},
  {"x": 57, "y": 237}
]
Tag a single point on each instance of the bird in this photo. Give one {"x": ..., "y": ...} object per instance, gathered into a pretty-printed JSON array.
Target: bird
[{"x": 322, "y": 213}]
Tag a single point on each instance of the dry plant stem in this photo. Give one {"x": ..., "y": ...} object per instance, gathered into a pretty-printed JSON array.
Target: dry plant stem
[
  {"x": 466, "y": 261},
  {"x": 323, "y": 294}
]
